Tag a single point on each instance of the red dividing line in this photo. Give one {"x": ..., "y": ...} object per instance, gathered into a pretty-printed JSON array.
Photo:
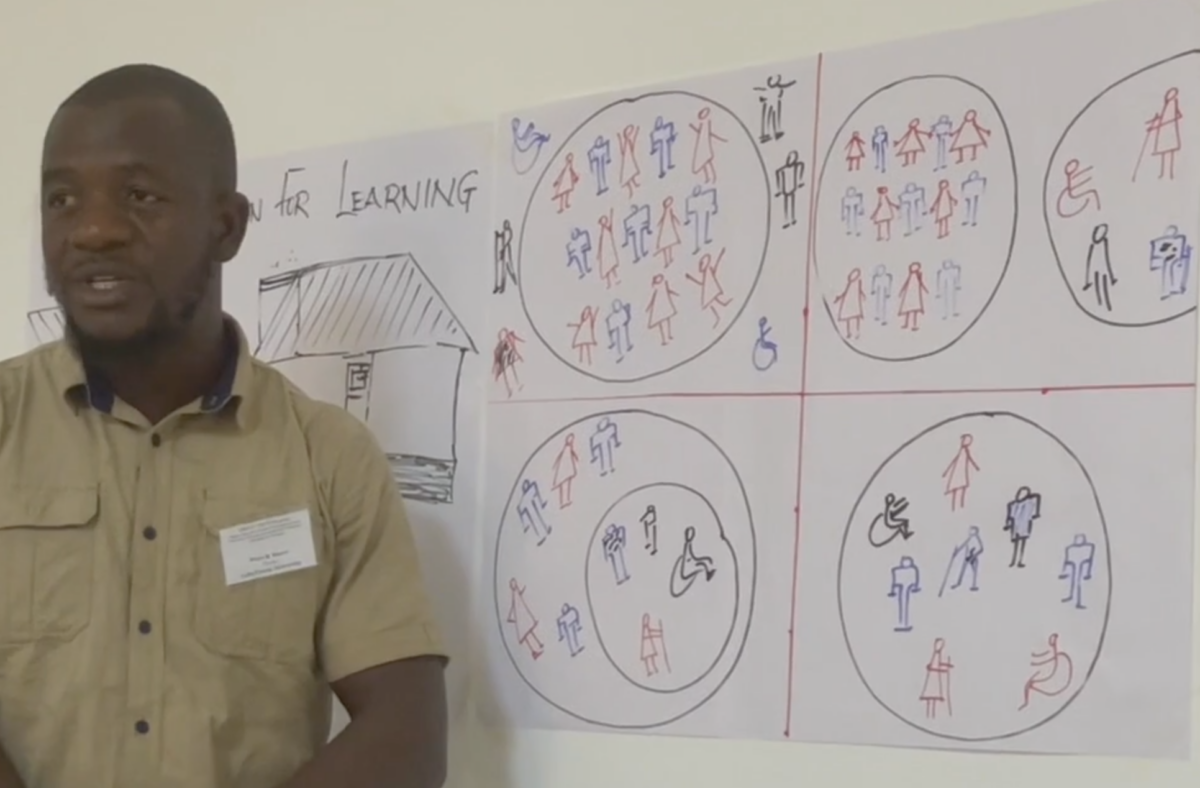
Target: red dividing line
[
  {"x": 808, "y": 267},
  {"x": 1009, "y": 390},
  {"x": 802, "y": 395},
  {"x": 664, "y": 395}
]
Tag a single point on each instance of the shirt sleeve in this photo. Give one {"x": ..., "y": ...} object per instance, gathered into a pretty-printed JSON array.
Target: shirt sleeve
[{"x": 377, "y": 609}]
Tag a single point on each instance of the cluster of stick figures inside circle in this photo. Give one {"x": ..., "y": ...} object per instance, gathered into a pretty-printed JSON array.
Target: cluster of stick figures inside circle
[
  {"x": 1168, "y": 256},
  {"x": 1052, "y": 666},
  {"x": 953, "y": 144}
]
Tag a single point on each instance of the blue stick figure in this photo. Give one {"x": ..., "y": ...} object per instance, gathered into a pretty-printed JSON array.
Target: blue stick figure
[
  {"x": 766, "y": 352},
  {"x": 529, "y": 511},
  {"x": 613, "y": 544},
  {"x": 637, "y": 230},
  {"x": 881, "y": 291},
  {"x": 569, "y": 628},
  {"x": 1171, "y": 257},
  {"x": 699, "y": 208},
  {"x": 616, "y": 323},
  {"x": 577, "y": 251},
  {"x": 662, "y": 138},
  {"x": 879, "y": 146},
  {"x": 602, "y": 443},
  {"x": 906, "y": 581},
  {"x": 1077, "y": 567},
  {"x": 973, "y": 189},
  {"x": 965, "y": 557},
  {"x": 599, "y": 157},
  {"x": 527, "y": 143}
]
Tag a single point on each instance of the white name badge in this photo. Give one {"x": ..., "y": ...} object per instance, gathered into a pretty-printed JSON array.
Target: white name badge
[{"x": 274, "y": 546}]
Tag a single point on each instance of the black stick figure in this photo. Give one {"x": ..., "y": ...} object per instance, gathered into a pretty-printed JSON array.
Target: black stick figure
[
  {"x": 1098, "y": 275},
  {"x": 503, "y": 259},
  {"x": 789, "y": 179}
]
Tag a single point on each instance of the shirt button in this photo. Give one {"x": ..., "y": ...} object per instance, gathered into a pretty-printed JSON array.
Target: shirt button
[
  {"x": 149, "y": 533},
  {"x": 155, "y": 440},
  {"x": 144, "y": 627},
  {"x": 142, "y": 727}
]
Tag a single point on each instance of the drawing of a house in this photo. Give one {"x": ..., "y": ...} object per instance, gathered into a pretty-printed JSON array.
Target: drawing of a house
[
  {"x": 374, "y": 335},
  {"x": 46, "y": 324}
]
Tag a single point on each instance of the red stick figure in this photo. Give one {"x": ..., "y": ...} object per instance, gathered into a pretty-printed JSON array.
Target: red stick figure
[
  {"x": 912, "y": 297},
  {"x": 661, "y": 307},
  {"x": 704, "y": 153},
  {"x": 1046, "y": 666},
  {"x": 565, "y": 183},
  {"x": 523, "y": 620},
  {"x": 668, "y": 233},
  {"x": 606, "y": 252},
  {"x": 937, "y": 680},
  {"x": 969, "y": 137},
  {"x": 856, "y": 151},
  {"x": 627, "y": 146},
  {"x": 653, "y": 646},
  {"x": 958, "y": 473},
  {"x": 1163, "y": 136},
  {"x": 566, "y": 468},
  {"x": 585, "y": 334},
  {"x": 850, "y": 304},
  {"x": 505, "y": 358},
  {"x": 1075, "y": 193},
  {"x": 712, "y": 295},
  {"x": 943, "y": 208},
  {"x": 910, "y": 145},
  {"x": 886, "y": 211}
]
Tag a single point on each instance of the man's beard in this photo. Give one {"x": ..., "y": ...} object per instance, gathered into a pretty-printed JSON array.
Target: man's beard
[
  {"x": 159, "y": 332},
  {"x": 163, "y": 327}
]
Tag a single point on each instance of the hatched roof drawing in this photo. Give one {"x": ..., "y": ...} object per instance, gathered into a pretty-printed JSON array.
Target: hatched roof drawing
[
  {"x": 358, "y": 305},
  {"x": 48, "y": 324}
]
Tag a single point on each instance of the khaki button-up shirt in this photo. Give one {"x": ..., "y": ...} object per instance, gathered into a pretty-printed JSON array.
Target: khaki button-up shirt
[{"x": 126, "y": 658}]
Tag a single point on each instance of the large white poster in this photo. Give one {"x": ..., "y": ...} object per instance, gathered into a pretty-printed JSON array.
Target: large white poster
[{"x": 823, "y": 396}]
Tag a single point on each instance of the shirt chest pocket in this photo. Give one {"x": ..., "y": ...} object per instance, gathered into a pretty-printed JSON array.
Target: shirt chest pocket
[
  {"x": 273, "y": 616},
  {"x": 47, "y": 554}
]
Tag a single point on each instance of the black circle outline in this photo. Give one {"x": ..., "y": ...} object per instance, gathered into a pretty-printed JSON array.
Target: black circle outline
[
  {"x": 1012, "y": 241},
  {"x": 753, "y": 566},
  {"x": 1108, "y": 567},
  {"x": 737, "y": 592},
  {"x": 1046, "y": 198},
  {"x": 534, "y": 194}
]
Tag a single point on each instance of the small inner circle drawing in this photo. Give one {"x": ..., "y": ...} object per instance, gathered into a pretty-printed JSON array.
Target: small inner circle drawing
[
  {"x": 624, "y": 573},
  {"x": 916, "y": 217},
  {"x": 974, "y": 580},
  {"x": 645, "y": 236},
  {"x": 700, "y": 586}
]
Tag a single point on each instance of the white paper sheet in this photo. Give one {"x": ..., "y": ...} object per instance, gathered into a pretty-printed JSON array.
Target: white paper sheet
[
  {"x": 1034, "y": 593},
  {"x": 647, "y": 340},
  {"x": 360, "y": 280},
  {"x": 956, "y": 351}
]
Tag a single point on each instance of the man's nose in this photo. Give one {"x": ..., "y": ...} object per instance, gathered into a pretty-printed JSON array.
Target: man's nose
[{"x": 100, "y": 225}]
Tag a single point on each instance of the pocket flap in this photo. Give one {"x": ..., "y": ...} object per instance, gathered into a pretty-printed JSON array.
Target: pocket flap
[{"x": 48, "y": 507}]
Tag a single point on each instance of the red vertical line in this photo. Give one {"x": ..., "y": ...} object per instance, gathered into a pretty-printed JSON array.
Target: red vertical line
[{"x": 808, "y": 269}]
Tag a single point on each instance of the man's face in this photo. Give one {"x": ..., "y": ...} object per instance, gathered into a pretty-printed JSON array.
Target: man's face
[{"x": 128, "y": 216}]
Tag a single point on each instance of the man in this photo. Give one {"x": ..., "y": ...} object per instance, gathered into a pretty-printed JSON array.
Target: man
[{"x": 155, "y": 632}]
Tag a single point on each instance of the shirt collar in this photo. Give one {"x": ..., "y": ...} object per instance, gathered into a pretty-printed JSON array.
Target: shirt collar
[{"x": 230, "y": 387}]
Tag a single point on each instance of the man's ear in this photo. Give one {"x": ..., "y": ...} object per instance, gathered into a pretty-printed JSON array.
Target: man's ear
[{"x": 229, "y": 229}]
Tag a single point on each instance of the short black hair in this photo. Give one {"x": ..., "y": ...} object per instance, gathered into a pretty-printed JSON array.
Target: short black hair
[{"x": 203, "y": 110}]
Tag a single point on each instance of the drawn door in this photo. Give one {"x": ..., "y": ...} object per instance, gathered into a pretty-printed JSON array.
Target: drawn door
[{"x": 358, "y": 386}]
